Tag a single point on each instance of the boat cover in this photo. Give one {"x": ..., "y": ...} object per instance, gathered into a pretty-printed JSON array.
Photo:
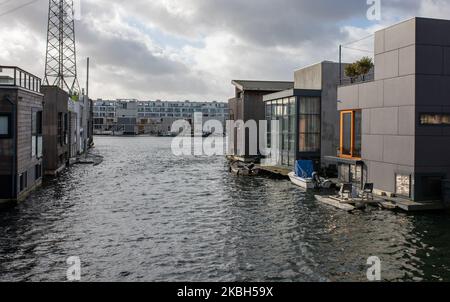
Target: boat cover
[{"x": 304, "y": 168}]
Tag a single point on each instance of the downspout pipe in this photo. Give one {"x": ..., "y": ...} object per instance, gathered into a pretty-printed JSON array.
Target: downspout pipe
[{"x": 13, "y": 166}]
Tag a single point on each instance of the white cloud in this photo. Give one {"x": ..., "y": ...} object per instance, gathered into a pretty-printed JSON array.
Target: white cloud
[{"x": 179, "y": 49}]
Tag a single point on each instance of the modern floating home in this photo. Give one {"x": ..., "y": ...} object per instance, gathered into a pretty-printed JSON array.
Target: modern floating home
[
  {"x": 308, "y": 115},
  {"x": 21, "y": 143},
  {"x": 395, "y": 130},
  {"x": 248, "y": 105},
  {"x": 56, "y": 130}
]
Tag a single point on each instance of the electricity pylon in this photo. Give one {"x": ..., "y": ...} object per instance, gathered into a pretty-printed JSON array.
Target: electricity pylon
[{"x": 61, "y": 58}]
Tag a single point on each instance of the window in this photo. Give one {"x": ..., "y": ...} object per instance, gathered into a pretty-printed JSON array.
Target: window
[
  {"x": 350, "y": 146},
  {"x": 435, "y": 119},
  {"x": 309, "y": 124},
  {"x": 37, "y": 172},
  {"x": 36, "y": 134},
  {"x": 23, "y": 181},
  {"x": 283, "y": 111},
  {"x": 60, "y": 128},
  {"x": 5, "y": 125},
  {"x": 66, "y": 129},
  {"x": 403, "y": 185}
]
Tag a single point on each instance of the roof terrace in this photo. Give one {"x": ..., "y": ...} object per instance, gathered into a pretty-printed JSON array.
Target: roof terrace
[{"x": 11, "y": 77}]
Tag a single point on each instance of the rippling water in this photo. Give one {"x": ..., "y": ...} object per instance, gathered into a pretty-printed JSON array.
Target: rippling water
[{"x": 146, "y": 215}]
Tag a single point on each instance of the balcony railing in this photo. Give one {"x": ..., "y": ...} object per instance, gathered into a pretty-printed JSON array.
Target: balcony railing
[
  {"x": 346, "y": 81},
  {"x": 11, "y": 76}
]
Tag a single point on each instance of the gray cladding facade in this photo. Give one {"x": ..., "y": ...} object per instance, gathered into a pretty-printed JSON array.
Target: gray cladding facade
[
  {"x": 312, "y": 132},
  {"x": 405, "y": 132}
]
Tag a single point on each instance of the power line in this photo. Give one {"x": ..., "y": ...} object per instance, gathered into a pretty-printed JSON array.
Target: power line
[
  {"x": 353, "y": 42},
  {"x": 357, "y": 49},
  {"x": 17, "y": 7}
]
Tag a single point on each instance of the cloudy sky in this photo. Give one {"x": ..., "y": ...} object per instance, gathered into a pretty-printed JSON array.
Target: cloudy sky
[{"x": 192, "y": 49}]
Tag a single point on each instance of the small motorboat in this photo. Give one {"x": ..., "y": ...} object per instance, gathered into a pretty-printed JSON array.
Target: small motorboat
[
  {"x": 305, "y": 183},
  {"x": 303, "y": 175},
  {"x": 242, "y": 169}
]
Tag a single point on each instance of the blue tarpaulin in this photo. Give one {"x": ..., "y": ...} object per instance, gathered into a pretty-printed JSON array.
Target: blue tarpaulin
[{"x": 304, "y": 168}]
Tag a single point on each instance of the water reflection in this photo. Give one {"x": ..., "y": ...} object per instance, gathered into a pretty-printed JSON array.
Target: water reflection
[{"x": 145, "y": 215}]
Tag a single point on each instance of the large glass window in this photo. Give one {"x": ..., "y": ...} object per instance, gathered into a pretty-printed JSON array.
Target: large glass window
[
  {"x": 309, "y": 124},
  {"x": 283, "y": 111},
  {"x": 435, "y": 119},
  {"x": 269, "y": 123},
  {"x": 350, "y": 145},
  {"x": 4, "y": 125}
]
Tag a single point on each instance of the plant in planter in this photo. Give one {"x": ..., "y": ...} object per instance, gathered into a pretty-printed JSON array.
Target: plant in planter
[
  {"x": 364, "y": 66},
  {"x": 351, "y": 71},
  {"x": 360, "y": 68}
]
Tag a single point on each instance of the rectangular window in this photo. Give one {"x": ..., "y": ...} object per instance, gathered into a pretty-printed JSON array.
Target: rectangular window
[
  {"x": 36, "y": 134},
  {"x": 4, "y": 125},
  {"x": 403, "y": 185},
  {"x": 66, "y": 129},
  {"x": 37, "y": 172},
  {"x": 60, "y": 128},
  {"x": 269, "y": 122},
  {"x": 23, "y": 181},
  {"x": 435, "y": 119},
  {"x": 309, "y": 124},
  {"x": 350, "y": 145}
]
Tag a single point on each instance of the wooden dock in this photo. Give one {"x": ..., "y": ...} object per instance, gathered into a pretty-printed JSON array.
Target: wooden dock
[
  {"x": 275, "y": 171},
  {"x": 335, "y": 203},
  {"x": 412, "y": 206}
]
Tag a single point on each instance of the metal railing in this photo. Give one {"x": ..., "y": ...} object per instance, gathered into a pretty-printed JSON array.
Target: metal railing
[
  {"x": 11, "y": 76},
  {"x": 346, "y": 81}
]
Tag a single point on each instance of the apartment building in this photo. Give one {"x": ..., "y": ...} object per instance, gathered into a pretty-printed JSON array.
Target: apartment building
[{"x": 151, "y": 117}]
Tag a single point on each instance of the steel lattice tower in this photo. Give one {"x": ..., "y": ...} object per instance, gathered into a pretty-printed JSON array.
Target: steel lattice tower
[{"x": 61, "y": 59}]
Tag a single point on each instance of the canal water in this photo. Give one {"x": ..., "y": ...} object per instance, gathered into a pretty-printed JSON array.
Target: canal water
[{"x": 146, "y": 215}]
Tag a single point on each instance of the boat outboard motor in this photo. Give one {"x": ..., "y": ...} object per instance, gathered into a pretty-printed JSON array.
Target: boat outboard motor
[{"x": 316, "y": 179}]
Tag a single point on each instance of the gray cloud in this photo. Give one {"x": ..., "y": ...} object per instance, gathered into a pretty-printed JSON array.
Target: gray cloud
[{"x": 259, "y": 39}]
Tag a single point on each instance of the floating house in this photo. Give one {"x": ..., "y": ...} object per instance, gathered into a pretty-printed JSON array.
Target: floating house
[
  {"x": 308, "y": 116},
  {"x": 21, "y": 135},
  {"x": 56, "y": 129},
  {"x": 395, "y": 130},
  {"x": 248, "y": 105}
]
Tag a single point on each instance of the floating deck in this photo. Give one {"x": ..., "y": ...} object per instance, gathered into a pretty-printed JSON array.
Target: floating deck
[
  {"x": 277, "y": 171},
  {"x": 335, "y": 203},
  {"x": 412, "y": 206}
]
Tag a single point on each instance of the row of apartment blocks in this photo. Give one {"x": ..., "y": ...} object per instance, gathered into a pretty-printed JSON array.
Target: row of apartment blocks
[
  {"x": 41, "y": 129},
  {"x": 151, "y": 117},
  {"x": 392, "y": 130}
]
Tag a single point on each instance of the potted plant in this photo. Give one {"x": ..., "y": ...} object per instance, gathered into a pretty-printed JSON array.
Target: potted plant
[
  {"x": 364, "y": 66},
  {"x": 351, "y": 71}
]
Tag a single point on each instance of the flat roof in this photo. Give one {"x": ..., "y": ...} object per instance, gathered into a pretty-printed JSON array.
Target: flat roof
[
  {"x": 262, "y": 85},
  {"x": 290, "y": 93}
]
